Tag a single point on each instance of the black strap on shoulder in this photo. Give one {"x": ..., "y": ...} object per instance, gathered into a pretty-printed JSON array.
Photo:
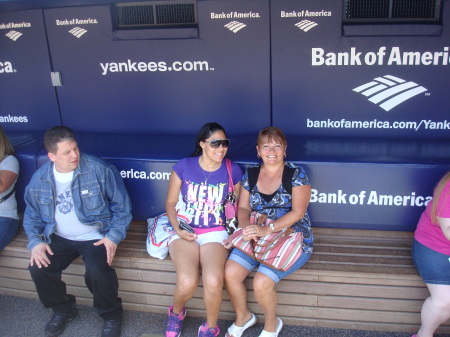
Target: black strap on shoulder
[
  {"x": 288, "y": 174},
  {"x": 253, "y": 174},
  {"x": 5, "y": 197}
]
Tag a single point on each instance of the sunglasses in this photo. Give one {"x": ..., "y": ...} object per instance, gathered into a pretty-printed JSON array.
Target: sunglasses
[{"x": 217, "y": 142}]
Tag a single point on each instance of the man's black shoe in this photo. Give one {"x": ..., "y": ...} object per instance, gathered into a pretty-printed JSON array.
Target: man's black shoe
[
  {"x": 57, "y": 324},
  {"x": 112, "y": 327}
]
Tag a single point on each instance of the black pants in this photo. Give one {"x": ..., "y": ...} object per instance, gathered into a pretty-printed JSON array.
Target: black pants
[{"x": 100, "y": 278}]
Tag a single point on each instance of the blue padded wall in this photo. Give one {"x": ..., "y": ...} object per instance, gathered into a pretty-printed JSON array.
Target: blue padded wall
[
  {"x": 163, "y": 86},
  {"x": 137, "y": 99},
  {"x": 383, "y": 194},
  {"x": 146, "y": 172},
  {"x": 318, "y": 63},
  {"x": 27, "y": 146},
  {"x": 28, "y": 102},
  {"x": 371, "y": 196},
  {"x": 28, "y": 99}
]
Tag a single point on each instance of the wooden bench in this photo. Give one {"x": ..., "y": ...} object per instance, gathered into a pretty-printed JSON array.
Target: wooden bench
[{"x": 356, "y": 279}]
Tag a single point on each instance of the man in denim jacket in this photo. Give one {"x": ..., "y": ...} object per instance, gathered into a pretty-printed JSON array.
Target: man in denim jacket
[{"x": 77, "y": 205}]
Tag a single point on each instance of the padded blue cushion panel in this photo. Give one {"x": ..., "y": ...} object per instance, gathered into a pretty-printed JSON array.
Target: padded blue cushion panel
[
  {"x": 366, "y": 150},
  {"x": 27, "y": 146},
  {"x": 154, "y": 147},
  {"x": 243, "y": 149},
  {"x": 357, "y": 183},
  {"x": 151, "y": 157}
]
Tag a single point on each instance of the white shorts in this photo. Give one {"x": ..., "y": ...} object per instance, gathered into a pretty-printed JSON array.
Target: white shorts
[{"x": 216, "y": 236}]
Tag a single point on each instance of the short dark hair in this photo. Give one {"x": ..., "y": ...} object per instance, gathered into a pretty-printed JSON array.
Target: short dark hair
[
  {"x": 56, "y": 135},
  {"x": 205, "y": 132}
]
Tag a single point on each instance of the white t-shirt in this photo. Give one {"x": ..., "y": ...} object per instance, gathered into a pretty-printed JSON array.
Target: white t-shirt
[
  {"x": 67, "y": 223},
  {"x": 8, "y": 208}
]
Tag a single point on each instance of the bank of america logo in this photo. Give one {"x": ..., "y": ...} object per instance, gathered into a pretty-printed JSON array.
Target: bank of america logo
[
  {"x": 306, "y": 25},
  {"x": 13, "y": 35},
  {"x": 77, "y": 32},
  {"x": 389, "y": 91},
  {"x": 235, "y": 26}
]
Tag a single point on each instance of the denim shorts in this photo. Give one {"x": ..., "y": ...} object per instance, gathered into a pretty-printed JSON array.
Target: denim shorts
[
  {"x": 433, "y": 267},
  {"x": 250, "y": 264},
  {"x": 8, "y": 229}
]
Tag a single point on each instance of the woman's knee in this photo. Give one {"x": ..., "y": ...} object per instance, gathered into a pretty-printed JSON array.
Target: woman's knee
[
  {"x": 229, "y": 275},
  {"x": 186, "y": 284},
  {"x": 441, "y": 303},
  {"x": 440, "y": 296},
  {"x": 213, "y": 282},
  {"x": 262, "y": 284},
  {"x": 234, "y": 273}
]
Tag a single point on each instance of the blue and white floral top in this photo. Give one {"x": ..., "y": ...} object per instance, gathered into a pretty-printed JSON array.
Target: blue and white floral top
[{"x": 280, "y": 203}]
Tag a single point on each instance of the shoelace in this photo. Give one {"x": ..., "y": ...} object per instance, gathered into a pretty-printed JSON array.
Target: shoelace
[
  {"x": 214, "y": 331},
  {"x": 211, "y": 332},
  {"x": 173, "y": 322}
]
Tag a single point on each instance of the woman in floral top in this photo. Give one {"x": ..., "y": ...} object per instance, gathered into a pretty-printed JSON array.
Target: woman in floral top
[{"x": 281, "y": 191}]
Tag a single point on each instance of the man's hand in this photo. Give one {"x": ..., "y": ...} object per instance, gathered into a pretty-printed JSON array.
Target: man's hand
[
  {"x": 111, "y": 248},
  {"x": 39, "y": 255}
]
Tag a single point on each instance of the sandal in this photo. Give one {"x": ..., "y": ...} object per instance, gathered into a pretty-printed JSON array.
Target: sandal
[
  {"x": 237, "y": 331},
  {"x": 265, "y": 333}
]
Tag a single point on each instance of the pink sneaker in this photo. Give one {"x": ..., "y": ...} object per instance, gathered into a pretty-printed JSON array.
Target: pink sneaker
[
  {"x": 175, "y": 323},
  {"x": 204, "y": 331}
]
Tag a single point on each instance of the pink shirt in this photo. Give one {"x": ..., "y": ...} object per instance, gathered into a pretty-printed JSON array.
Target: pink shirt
[{"x": 431, "y": 235}]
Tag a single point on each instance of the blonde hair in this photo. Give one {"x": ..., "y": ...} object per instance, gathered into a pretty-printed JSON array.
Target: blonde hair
[
  {"x": 436, "y": 195},
  {"x": 6, "y": 147}
]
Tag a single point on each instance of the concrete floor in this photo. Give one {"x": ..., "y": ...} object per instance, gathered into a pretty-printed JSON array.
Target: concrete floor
[{"x": 23, "y": 317}]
